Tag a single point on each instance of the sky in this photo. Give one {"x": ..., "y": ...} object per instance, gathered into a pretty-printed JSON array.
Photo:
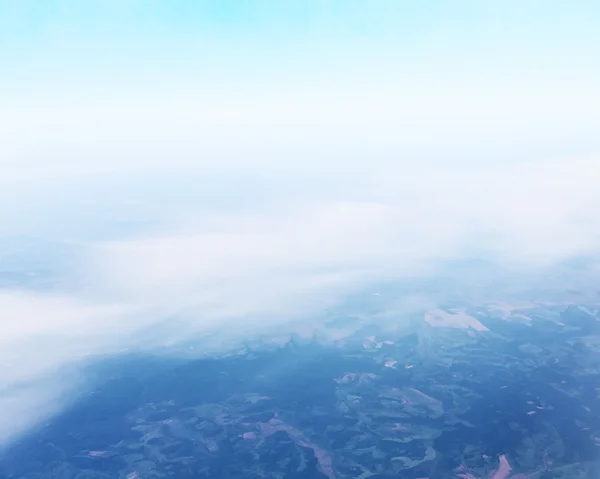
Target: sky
[{"x": 240, "y": 165}]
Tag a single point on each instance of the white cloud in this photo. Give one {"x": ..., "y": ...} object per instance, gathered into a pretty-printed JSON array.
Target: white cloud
[
  {"x": 218, "y": 272},
  {"x": 43, "y": 338}
]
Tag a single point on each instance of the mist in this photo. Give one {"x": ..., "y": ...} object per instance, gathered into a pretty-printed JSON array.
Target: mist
[{"x": 253, "y": 264}]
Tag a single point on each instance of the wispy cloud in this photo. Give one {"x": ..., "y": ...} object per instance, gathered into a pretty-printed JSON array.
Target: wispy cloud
[{"x": 235, "y": 270}]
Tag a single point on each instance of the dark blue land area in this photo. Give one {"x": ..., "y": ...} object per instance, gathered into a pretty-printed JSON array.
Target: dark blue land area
[{"x": 163, "y": 417}]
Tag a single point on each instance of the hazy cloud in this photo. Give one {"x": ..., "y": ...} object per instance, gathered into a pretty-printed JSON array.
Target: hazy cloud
[{"x": 292, "y": 257}]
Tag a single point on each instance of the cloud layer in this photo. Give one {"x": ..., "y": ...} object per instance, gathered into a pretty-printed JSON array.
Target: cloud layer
[{"x": 244, "y": 270}]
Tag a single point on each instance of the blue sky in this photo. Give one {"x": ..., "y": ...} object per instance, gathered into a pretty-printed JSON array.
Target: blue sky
[
  {"x": 250, "y": 164},
  {"x": 93, "y": 82},
  {"x": 62, "y": 51}
]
